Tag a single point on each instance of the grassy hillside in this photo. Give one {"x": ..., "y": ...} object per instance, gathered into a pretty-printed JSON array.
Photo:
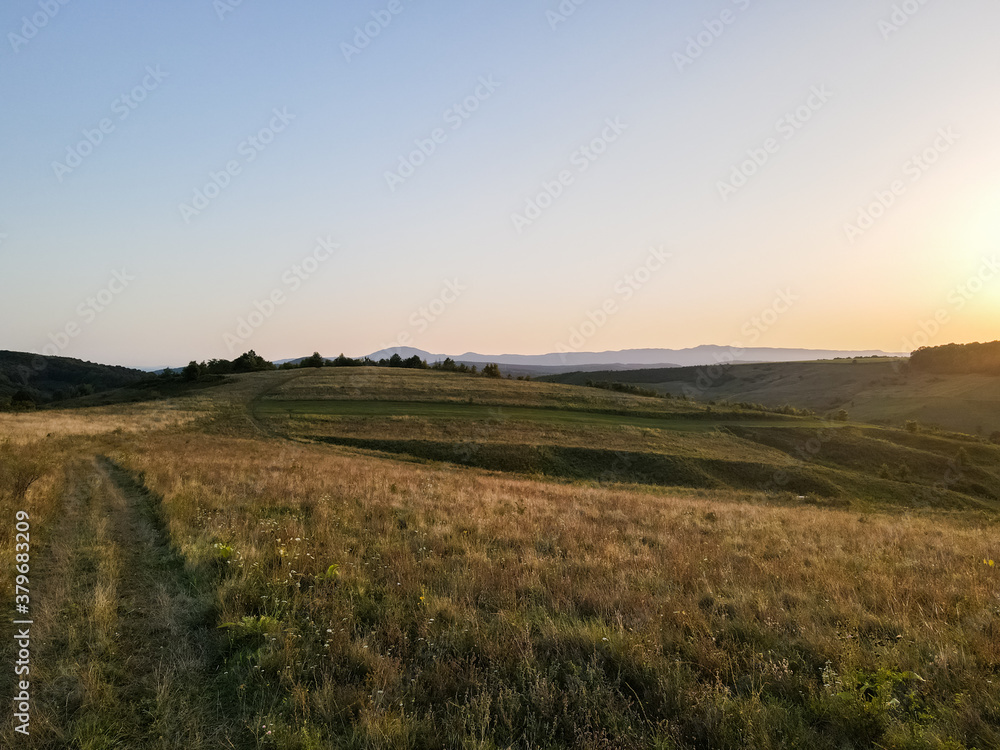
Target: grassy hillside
[
  {"x": 335, "y": 559},
  {"x": 54, "y": 378},
  {"x": 586, "y": 433},
  {"x": 871, "y": 390}
]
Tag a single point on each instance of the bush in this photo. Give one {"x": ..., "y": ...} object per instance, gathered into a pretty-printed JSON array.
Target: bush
[
  {"x": 20, "y": 467},
  {"x": 23, "y": 399}
]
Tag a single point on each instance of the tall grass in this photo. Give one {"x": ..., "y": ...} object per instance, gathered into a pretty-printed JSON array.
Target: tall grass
[{"x": 370, "y": 603}]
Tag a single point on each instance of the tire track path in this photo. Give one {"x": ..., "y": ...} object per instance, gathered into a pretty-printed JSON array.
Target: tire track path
[{"x": 128, "y": 654}]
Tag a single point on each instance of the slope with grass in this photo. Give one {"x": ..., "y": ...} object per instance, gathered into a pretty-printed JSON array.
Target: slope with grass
[
  {"x": 575, "y": 433},
  {"x": 236, "y": 579},
  {"x": 885, "y": 391},
  {"x": 56, "y": 378}
]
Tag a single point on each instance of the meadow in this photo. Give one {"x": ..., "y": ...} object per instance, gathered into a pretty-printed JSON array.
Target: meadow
[
  {"x": 884, "y": 391},
  {"x": 403, "y": 559}
]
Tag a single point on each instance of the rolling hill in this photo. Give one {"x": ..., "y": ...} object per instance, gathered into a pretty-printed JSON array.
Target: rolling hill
[
  {"x": 364, "y": 557},
  {"x": 879, "y": 391},
  {"x": 55, "y": 378}
]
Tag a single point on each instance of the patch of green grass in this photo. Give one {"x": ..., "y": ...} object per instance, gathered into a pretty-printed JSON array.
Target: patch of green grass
[
  {"x": 700, "y": 421},
  {"x": 698, "y": 449}
]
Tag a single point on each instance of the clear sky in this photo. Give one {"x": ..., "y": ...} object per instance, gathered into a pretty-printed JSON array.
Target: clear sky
[{"x": 496, "y": 176}]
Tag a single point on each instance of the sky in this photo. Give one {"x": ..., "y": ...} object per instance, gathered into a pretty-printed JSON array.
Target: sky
[{"x": 192, "y": 179}]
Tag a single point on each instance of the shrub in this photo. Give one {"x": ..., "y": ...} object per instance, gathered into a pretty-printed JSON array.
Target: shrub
[{"x": 23, "y": 399}]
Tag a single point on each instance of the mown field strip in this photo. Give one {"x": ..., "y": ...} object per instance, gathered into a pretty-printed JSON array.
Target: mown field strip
[{"x": 482, "y": 412}]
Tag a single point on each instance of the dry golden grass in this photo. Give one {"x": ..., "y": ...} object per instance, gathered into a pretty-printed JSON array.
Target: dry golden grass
[
  {"x": 466, "y": 603},
  {"x": 116, "y": 661},
  {"x": 366, "y": 602},
  {"x": 28, "y": 427},
  {"x": 415, "y": 386}
]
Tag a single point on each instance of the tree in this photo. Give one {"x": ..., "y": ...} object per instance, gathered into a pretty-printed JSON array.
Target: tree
[
  {"x": 395, "y": 360},
  {"x": 492, "y": 371},
  {"x": 959, "y": 358},
  {"x": 841, "y": 416},
  {"x": 251, "y": 362},
  {"x": 218, "y": 367},
  {"x": 316, "y": 360},
  {"x": 447, "y": 366},
  {"x": 192, "y": 372},
  {"x": 415, "y": 363}
]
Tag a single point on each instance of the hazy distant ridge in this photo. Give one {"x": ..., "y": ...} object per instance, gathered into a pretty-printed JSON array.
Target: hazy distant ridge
[{"x": 694, "y": 357}]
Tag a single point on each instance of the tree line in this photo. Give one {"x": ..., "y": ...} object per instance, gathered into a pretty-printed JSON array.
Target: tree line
[
  {"x": 958, "y": 359},
  {"x": 252, "y": 362}
]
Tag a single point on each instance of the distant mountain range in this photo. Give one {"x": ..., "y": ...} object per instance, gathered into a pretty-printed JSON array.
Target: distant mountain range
[{"x": 631, "y": 359}]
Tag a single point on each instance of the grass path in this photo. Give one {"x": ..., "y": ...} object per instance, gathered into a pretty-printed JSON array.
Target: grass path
[{"x": 124, "y": 643}]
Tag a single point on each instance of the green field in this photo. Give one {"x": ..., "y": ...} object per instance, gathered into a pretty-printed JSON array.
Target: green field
[{"x": 684, "y": 421}]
